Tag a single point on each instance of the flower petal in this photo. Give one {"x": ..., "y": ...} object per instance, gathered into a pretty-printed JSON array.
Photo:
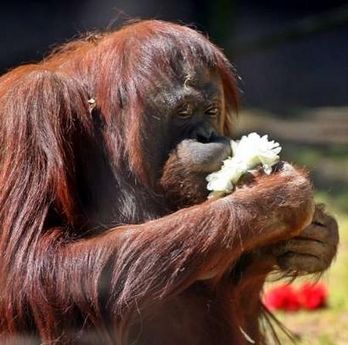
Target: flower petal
[{"x": 249, "y": 152}]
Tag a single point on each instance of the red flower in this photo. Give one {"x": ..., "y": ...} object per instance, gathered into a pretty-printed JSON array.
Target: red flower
[
  {"x": 285, "y": 297},
  {"x": 312, "y": 296},
  {"x": 282, "y": 297}
]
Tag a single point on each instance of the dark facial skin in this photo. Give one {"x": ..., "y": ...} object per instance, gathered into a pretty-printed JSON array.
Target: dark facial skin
[
  {"x": 196, "y": 121},
  {"x": 193, "y": 106}
]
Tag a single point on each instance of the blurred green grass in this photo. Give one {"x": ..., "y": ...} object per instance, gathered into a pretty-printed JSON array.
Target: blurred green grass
[
  {"x": 328, "y": 326},
  {"x": 327, "y": 162}
]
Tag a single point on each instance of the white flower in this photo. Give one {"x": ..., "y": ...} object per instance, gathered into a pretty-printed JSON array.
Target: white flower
[
  {"x": 224, "y": 179},
  {"x": 249, "y": 152},
  {"x": 254, "y": 150},
  {"x": 219, "y": 181}
]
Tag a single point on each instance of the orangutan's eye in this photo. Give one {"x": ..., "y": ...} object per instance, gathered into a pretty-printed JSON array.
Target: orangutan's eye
[
  {"x": 185, "y": 111},
  {"x": 213, "y": 111}
]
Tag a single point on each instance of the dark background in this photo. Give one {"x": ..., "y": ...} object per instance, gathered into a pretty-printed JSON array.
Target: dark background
[{"x": 307, "y": 69}]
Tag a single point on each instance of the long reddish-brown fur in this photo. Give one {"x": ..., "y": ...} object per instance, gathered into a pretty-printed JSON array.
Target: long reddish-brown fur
[{"x": 91, "y": 251}]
